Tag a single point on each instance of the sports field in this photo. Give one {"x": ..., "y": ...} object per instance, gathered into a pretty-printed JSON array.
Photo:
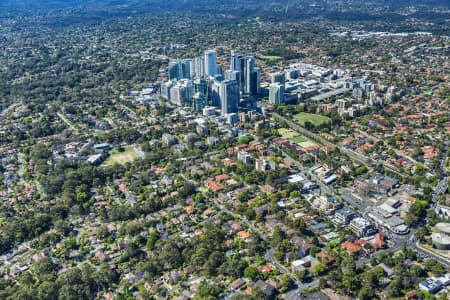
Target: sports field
[
  {"x": 128, "y": 155},
  {"x": 287, "y": 133},
  {"x": 299, "y": 139},
  {"x": 294, "y": 137},
  {"x": 307, "y": 143},
  {"x": 316, "y": 120},
  {"x": 271, "y": 58}
]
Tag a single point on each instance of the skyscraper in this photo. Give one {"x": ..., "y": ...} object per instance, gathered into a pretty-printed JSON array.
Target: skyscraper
[
  {"x": 249, "y": 66},
  {"x": 256, "y": 82},
  {"x": 229, "y": 96},
  {"x": 215, "y": 91},
  {"x": 233, "y": 75},
  {"x": 180, "y": 69},
  {"x": 174, "y": 70},
  {"x": 200, "y": 85},
  {"x": 185, "y": 69},
  {"x": 200, "y": 99},
  {"x": 236, "y": 61},
  {"x": 199, "y": 66},
  {"x": 210, "y": 63},
  {"x": 276, "y": 93},
  {"x": 277, "y": 77},
  {"x": 237, "y": 64},
  {"x": 181, "y": 94},
  {"x": 165, "y": 88}
]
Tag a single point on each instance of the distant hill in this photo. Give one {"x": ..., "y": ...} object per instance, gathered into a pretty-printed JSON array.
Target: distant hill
[
  {"x": 127, "y": 6},
  {"x": 68, "y": 12},
  {"x": 15, "y": 5}
]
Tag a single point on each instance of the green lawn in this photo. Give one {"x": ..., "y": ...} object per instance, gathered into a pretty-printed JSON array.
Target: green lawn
[
  {"x": 299, "y": 139},
  {"x": 128, "y": 155},
  {"x": 271, "y": 58},
  {"x": 316, "y": 120},
  {"x": 294, "y": 137},
  {"x": 287, "y": 133}
]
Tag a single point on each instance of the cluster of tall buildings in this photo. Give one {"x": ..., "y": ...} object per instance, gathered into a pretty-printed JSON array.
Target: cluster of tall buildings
[
  {"x": 199, "y": 82},
  {"x": 243, "y": 70}
]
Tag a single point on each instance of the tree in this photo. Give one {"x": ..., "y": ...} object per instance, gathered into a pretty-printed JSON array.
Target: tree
[
  {"x": 285, "y": 283},
  {"x": 72, "y": 285},
  {"x": 350, "y": 283},
  {"x": 394, "y": 287},
  {"x": 418, "y": 208},
  {"x": 26, "y": 279},
  {"x": 368, "y": 247},
  {"x": 348, "y": 267},
  {"x": 251, "y": 272},
  {"x": 62, "y": 226},
  {"x": 301, "y": 275},
  {"x": 153, "y": 237},
  {"x": 277, "y": 236},
  {"x": 207, "y": 291},
  {"x": 314, "y": 250},
  {"x": 322, "y": 283},
  {"x": 319, "y": 269},
  {"x": 417, "y": 271},
  {"x": 366, "y": 293},
  {"x": 187, "y": 190},
  {"x": 214, "y": 261},
  {"x": 373, "y": 261},
  {"x": 299, "y": 225},
  {"x": 315, "y": 241},
  {"x": 434, "y": 267},
  {"x": 44, "y": 266},
  {"x": 371, "y": 279},
  {"x": 444, "y": 296},
  {"x": 102, "y": 232},
  {"x": 105, "y": 277},
  {"x": 410, "y": 219},
  {"x": 333, "y": 277},
  {"x": 250, "y": 214},
  {"x": 379, "y": 272},
  {"x": 47, "y": 290},
  {"x": 258, "y": 293}
]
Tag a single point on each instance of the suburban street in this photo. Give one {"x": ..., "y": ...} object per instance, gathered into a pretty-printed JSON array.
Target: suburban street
[
  {"x": 398, "y": 152},
  {"x": 66, "y": 121},
  {"x": 299, "y": 286}
]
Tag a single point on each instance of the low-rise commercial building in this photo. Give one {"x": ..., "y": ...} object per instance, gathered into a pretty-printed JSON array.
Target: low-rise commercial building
[
  {"x": 361, "y": 227},
  {"x": 430, "y": 285},
  {"x": 441, "y": 238},
  {"x": 344, "y": 215}
]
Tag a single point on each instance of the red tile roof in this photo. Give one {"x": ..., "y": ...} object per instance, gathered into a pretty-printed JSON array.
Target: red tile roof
[{"x": 350, "y": 247}]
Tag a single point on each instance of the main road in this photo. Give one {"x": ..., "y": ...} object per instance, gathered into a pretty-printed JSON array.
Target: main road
[
  {"x": 352, "y": 154},
  {"x": 397, "y": 241}
]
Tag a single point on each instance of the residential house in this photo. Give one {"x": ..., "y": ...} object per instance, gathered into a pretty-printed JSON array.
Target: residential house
[
  {"x": 325, "y": 258},
  {"x": 351, "y": 248},
  {"x": 213, "y": 185},
  {"x": 237, "y": 284},
  {"x": 266, "y": 288}
]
